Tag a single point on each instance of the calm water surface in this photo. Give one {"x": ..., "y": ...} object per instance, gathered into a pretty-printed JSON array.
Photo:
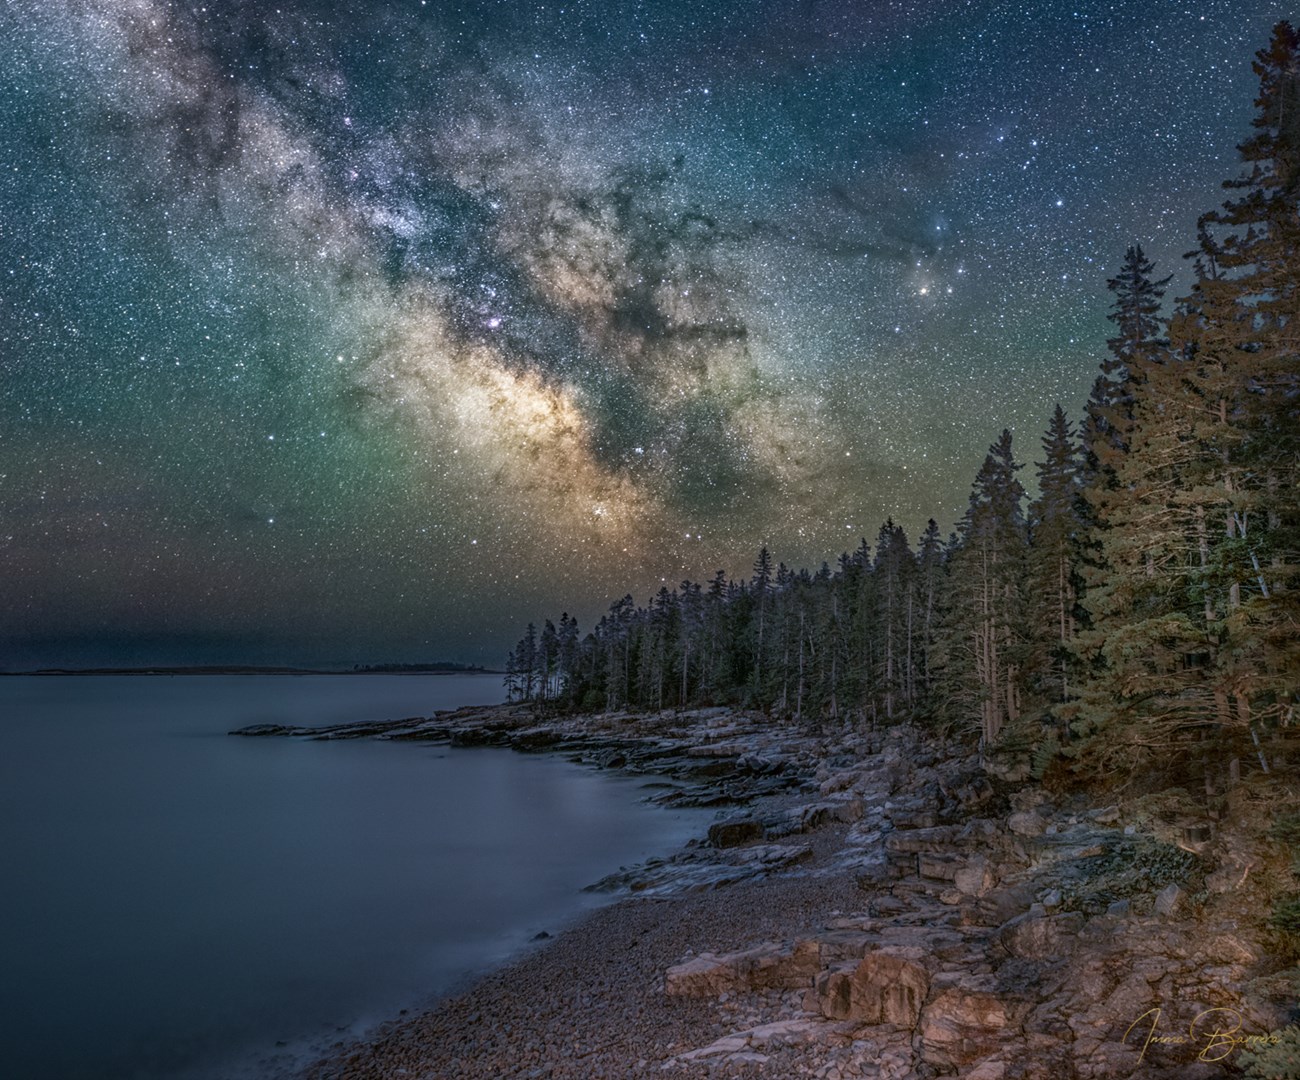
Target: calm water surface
[{"x": 175, "y": 902}]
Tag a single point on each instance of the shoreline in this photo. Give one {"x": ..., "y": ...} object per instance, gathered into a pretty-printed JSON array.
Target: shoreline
[{"x": 870, "y": 904}]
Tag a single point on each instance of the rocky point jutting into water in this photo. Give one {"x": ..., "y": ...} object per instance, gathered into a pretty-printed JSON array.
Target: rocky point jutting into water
[{"x": 868, "y": 903}]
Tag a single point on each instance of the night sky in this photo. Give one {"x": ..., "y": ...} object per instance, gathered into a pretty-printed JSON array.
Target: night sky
[{"x": 344, "y": 332}]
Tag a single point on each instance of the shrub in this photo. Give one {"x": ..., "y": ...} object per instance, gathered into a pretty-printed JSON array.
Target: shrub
[{"x": 1280, "y": 1061}]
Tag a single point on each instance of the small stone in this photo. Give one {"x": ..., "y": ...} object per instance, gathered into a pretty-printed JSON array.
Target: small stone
[{"x": 1119, "y": 909}]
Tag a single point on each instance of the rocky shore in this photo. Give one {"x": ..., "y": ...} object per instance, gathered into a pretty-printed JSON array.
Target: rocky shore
[{"x": 868, "y": 903}]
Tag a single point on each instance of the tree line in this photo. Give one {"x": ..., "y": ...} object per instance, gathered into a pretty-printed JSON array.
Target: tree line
[{"x": 1140, "y": 613}]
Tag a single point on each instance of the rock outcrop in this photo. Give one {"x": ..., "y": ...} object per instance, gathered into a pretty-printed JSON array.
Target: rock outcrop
[{"x": 1002, "y": 933}]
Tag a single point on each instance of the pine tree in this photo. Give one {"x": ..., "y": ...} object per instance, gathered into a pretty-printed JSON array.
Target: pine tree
[
  {"x": 1135, "y": 311},
  {"x": 1055, "y": 531},
  {"x": 930, "y": 574},
  {"x": 892, "y": 575},
  {"x": 1243, "y": 327},
  {"x": 760, "y": 585},
  {"x": 985, "y": 654},
  {"x": 526, "y": 663}
]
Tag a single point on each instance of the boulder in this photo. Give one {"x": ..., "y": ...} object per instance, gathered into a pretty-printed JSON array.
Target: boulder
[
  {"x": 1026, "y": 823},
  {"x": 765, "y": 967},
  {"x": 1037, "y": 936},
  {"x": 974, "y": 878},
  {"x": 882, "y": 988},
  {"x": 918, "y": 817},
  {"x": 845, "y": 943},
  {"x": 725, "y": 834},
  {"x": 804, "y": 819},
  {"x": 998, "y": 905},
  {"x": 966, "y": 1023},
  {"x": 538, "y": 739},
  {"x": 939, "y": 866}
]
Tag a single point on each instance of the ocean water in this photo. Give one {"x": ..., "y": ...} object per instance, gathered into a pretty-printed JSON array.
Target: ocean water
[{"x": 178, "y": 903}]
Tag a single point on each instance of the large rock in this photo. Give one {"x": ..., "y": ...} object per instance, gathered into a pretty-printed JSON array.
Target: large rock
[
  {"x": 883, "y": 988},
  {"x": 804, "y": 819},
  {"x": 999, "y": 905},
  {"x": 840, "y": 781},
  {"x": 939, "y": 865},
  {"x": 765, "y": 967},
  {"x": 739, "y": 1046},
  {"x": 936, "y": 839},
  {"x": 1037, "y": 936},
  {"x": 974, "y": 878},
  {"x": 843, "y": 943},
  {"x": 726, "y": 834},
  {"x": 967, "y": 1022},
  {"x": 1026, "y": 823}
]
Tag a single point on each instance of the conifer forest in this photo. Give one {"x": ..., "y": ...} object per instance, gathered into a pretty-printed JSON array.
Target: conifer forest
[{"x": 1138, "y": 617}]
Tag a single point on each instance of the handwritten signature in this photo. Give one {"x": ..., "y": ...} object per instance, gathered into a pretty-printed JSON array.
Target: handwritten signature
[{"x": 1216, "y": 1031}]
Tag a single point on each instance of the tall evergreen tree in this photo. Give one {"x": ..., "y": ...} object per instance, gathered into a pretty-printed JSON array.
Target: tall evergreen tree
[
  {"x": 930, "y": 573},
  {"x": 985, "y": 654},
  {"x": 1056, "y": 533},
  {"x": 1243, "y": 325},
  {"x": 893, "y": 578},
  {"x": 1137, "y": 342}
]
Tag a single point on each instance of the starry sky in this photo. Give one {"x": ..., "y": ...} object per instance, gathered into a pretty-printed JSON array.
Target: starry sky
[{"x": 341, "y": 331}]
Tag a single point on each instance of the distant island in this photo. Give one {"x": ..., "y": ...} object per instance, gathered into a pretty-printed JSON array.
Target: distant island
[{"x": 436, "y": 668}]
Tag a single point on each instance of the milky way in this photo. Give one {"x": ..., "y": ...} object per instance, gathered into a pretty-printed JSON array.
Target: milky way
[{"x": 338, "y": 332}]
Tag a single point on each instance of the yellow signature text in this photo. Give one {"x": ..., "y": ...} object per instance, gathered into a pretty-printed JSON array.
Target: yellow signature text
[{"x": 1216, "y": 1032}]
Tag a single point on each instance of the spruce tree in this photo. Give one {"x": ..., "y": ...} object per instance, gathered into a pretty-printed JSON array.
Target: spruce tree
[
  {"x": 984, "y": 668},
  {"x": 929, "y": 575},
  {"x": 1137, "y": 342},
  {"x": 1055, "y": 530},
  {"x": 1241, "y": 324},
  {"x": 893, "y": 577}
]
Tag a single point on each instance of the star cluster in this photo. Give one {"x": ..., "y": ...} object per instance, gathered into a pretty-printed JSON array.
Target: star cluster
[{"x": 342, "y": 332}]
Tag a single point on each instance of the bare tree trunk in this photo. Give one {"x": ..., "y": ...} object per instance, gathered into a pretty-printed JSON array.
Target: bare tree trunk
[
  {"x": 909, "y": 688},
  {"x": 798, "y": 708}
]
